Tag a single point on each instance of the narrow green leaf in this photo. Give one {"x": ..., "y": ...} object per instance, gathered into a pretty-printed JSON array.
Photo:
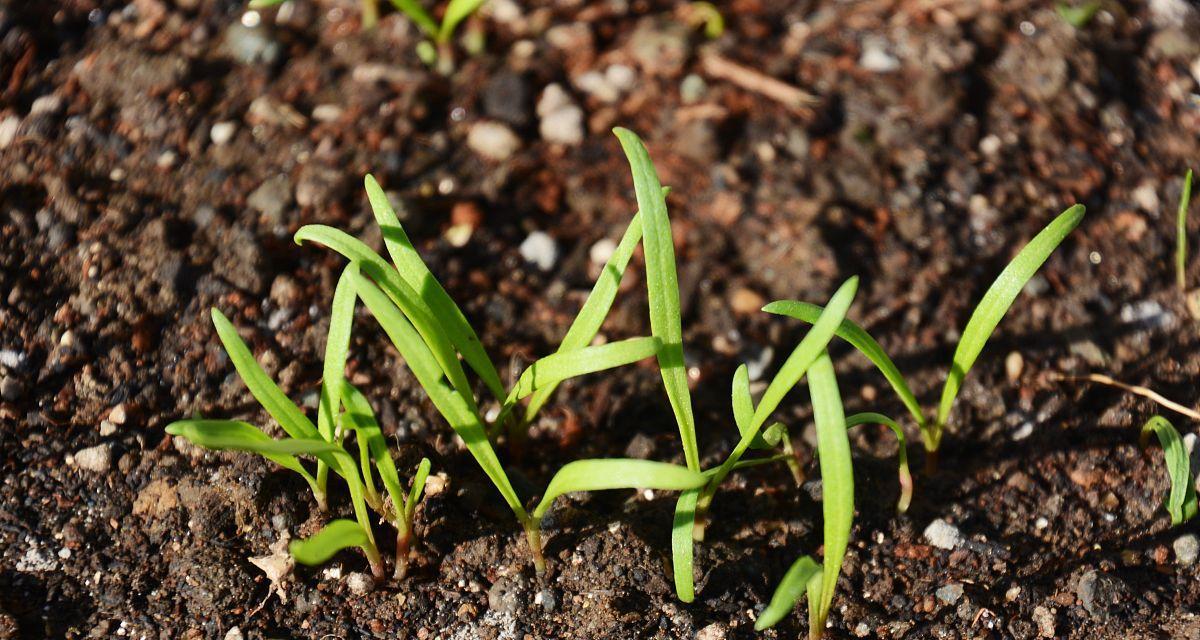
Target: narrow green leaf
[
  {"x": 256, "y": 5},
  {"x": 196, "y": 431},
  {"x": 595, "y": 309},
  {"x": 333, "y": 537},
  {"x": 860, "y": 340},
  {"x": 402, "y": 295},
  {"x": 1080, "y": 16},
  {"x": 837, "y": 476},
  {"x": 662, "y": 284},
  {"x": 287, "y": 414},
  {"x": 1181, "y": 246},
  {"x": 995, "y": 303},
  {"x": 463, "y": 418},
  {"x": 794, "y": 368},
  {"x": 418, "y": 276},
  {"x": 1181, "y": 502},
  {"x": 682, "y": 544},
  {"x": 906, "y": 481},
  {"x": 417, "y": 14},
  {"x": 456, "y": 12},
  {"x": 557, "y": 367},
  {"x": 361, "y": 419},
  {"x": 617, "y": 473},
  {"x": 804, "y": 576},
  {"x": 337, "y": 349},
  {"x": 418, "y": 486}
]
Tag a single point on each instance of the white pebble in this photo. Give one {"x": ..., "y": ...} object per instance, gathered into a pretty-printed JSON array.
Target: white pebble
[
  {"x": 540, "y": 249},
  {"x": 97, "y": 458},
  {"x": 1041, "y": 523},
  {"x": 234, "y": 633},
  {"x": 493, "y": 140},
  {"x": 990, "y": 145},
  {"x": 876, "y": 58},
  {"x": 222, "y": 132},
  {"x": 561, "y": 119},
  {"x": 327, "y": 112},
  {"x": 1023, "y": 431},
  {"x": 360, "y": 583},
  {"x": 602, "y": 251},
  {"x": 1187, "y": 548},
  {"x": 943, "y": 535},
  {"x": 8, "y": 130},
  {"x": 48, "y": 104},
  {"x": 1146, "y": 198}
]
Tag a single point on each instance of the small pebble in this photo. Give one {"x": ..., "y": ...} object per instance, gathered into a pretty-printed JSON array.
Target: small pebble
[
  {"x": 990, "y": 145},
  {"x": 327, "y": 113},
  {"x": 8, "y": 130},
  {"x": 493, "y": 140},
  {"x": 943, "y": 535},
  {"x": 714, "y": 631},
  {"x": 744, "y": 301},
  {"x": 234, "y": 633},
  {"x": 876, "y": 58},
  {"x": 222, "y": 132},
  {"x": 1023, "y": 431},
  {"x": 602, "y": 251},
  {"x": 561, "y": 120},
  {"x": 107, "y": 428},
  {"x": 546, "y": 600},
  {"x": 48, "y": 104},
  {"x": 1014, "y": 364},
  {"x": 1041, "y": 523},
  {"x": 118, "y": 414},
  {"x": 692, "y": 89},
  {"x": 950, "y": 593},
  {"x": 1044, "y": 620},
  {"x": 540, "y": 249},
  {"x": 11, "y": 389},
  {"x": 1187, "y": 548},
  {"x": 97, "y": 459},
  {"x": 360, "y": 584}
]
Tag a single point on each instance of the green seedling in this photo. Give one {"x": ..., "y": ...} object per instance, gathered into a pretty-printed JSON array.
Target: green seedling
[
  {"x": 987, "y": 315},
  {"x": 1180, "y": 503},
  {"x": 1181, "y": 247},
  {"x": 322, "y": 441},
  {"x": 707, "y": 14},
  {"x": 436, "y": 47},
  {"x": 431, "y": 332},
  {"x": 906, "y": 480},
  {"x": 806, "y": 575},
  {"x": 1077, "y": 16}
]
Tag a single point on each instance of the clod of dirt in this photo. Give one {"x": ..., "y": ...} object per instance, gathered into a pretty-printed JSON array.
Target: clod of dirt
[{"x": 1099, "y": 593}]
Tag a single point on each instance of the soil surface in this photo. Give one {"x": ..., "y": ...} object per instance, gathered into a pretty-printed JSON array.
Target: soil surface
[{"x": 156, "y": 157}]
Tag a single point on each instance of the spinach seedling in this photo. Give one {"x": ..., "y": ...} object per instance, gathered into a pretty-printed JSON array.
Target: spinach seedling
[
  {"x": 431, "y": 332},
  {"x": 1181, "y": 247},
  {"x": 987, "y": 315},
  {"x": 806, "y": 575},
  {"x": 1180, "y": 503}
]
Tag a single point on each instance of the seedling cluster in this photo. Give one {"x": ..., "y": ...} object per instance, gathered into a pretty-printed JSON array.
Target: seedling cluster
[{"x": 439, "y": 346}]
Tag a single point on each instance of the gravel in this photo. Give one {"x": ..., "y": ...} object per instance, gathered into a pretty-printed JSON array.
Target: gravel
[
  {"x": 950, "y": 593},
  {"x": 97, "y": 459},
  {"x": 943, "y": 535},
  {"x": 493, "y": 140},
  {"x": 561, "y": 119},
  {"x": 1187, "y": 548},
  {"x": 540, "y": 249}
]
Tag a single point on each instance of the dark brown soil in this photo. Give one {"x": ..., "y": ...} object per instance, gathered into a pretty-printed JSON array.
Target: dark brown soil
[{"x": 944, "y": 135}]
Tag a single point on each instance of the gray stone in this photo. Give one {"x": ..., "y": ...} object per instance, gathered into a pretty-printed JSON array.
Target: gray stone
[
  {"x": 504, "y": 596},
  {"x": 250, "y": 45},
  {"x": 493, "y": 140},
  {"x": 943, "y": 535},
  {"x": 1187, "y": 548},
  {"x": 1099, "y": 592},
  {"x": 272, "y": 197},
  {"x": 546, "y": 600},
  {"x": 950, "y": 593},
  {"x": 561, "y": 120},
  {"x": 97, "y": 459}
]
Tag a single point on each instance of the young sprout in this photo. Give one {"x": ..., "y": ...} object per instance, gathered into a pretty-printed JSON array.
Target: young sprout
[
  {"x": 1185, "y": 197},
  {"x": 706, "y": 14},
  {"x": 906, "y": 481},
  {"x": 987, "y": 315},
  {"x": 431, "y": 51},
  {"x": 692, "y": 508},
  {"x": 837, "y": 504},
  {"x": 1180, "y": 503},
  {"x": 431, "y": 332},
  {"x": 1077, "y": 16}
]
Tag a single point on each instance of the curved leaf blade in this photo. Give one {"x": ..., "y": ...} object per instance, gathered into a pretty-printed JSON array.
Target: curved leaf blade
[
  {"x": 682, "y": 545},
  {"x": 417, "y": 14},
  {"x": 617, "y": 473},
  {"x": 332, "y": 538},
  {"x": 858, "y": 338},
  {"x": 557, "y": 367},
  {"x": 996, "y": 302},
  {"x": 416, "y": 273},
  {"x": 205, "y": 433},
  {"x": 906, "y": 480},
  {"x": 1181, "y": 244},
  {"x": 662, "y": 285},
  {"x": 456, "y": 12},
  {"x": 837, "y": 476},
  {"x": 1180, "y": 503},
  {"x": 268, "y": 394},
  {"x": 804, "y": 576}
]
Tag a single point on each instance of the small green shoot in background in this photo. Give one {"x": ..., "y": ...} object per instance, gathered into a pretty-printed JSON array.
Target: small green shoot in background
[
  {"x": 1181, "y": 244},
  {"x": 1180, "y": 503},
  {"x": 1077, "y": 16}
]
